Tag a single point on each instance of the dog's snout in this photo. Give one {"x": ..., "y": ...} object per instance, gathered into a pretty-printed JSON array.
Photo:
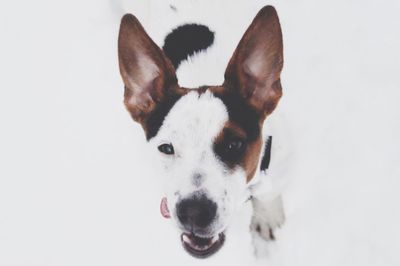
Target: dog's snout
[{"x": 196, "y": 213}]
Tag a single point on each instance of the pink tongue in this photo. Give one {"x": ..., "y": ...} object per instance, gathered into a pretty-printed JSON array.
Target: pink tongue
[{"x": 164, "y": 208}]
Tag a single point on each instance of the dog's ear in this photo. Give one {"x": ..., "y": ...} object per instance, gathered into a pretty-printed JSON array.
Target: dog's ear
[
  {"x": 255, "y": 67},
  {"x": 147, "y": 73}
]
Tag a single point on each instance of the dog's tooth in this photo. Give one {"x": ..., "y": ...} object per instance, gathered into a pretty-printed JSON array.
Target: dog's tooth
[
  {"x": 204, "y": 248},
  {"x": 186, "y": 239},
  {"x": 214, "y": 239}
]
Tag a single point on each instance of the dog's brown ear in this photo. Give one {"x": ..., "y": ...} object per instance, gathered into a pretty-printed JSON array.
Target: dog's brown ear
[
  {"x": 147, "y": 73},
  {"x": 255, "y": 66}
]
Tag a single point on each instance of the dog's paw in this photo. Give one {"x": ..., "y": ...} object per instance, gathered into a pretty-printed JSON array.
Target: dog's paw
[
  {"x": 267, "y": 216},
  {"x": 262, "y": 229},
  {"x": 265, "y": 227}
]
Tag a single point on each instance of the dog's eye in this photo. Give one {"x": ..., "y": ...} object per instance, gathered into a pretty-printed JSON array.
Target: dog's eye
[
  {"x": 166, "y": 148},
  {"x": 235, "y": 145}
]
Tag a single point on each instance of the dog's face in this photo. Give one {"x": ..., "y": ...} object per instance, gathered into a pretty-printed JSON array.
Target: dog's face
[{"x": 208, "y": 140}]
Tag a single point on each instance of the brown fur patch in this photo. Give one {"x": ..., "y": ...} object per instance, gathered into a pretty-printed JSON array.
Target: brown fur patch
[
  {"x": 250, "y": 157},
  {"x": 244, "y": 122},
  {"x": 253, "y": 149},
  {"x": 250, "y": 162}
]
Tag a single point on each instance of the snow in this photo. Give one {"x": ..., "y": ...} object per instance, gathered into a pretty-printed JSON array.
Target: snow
[{"x": 76, "y": 183}]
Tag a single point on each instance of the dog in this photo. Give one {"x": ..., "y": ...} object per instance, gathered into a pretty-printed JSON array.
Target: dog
[{"x": 210, "y": 139}]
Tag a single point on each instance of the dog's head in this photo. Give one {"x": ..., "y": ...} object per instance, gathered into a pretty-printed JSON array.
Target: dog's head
[{"x": 209, "y": 139}]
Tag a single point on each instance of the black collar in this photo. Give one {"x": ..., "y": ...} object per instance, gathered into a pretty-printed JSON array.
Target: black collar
[{"x": 267, "y": 155}]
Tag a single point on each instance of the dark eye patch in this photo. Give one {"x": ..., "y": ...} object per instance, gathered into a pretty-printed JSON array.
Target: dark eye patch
[
  {"x": 244, "y": 125},
  {"x": 230, "y": 147}
]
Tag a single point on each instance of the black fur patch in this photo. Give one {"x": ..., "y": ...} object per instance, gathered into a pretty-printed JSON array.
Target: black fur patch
[
  {"x": 156, "y": 118},
  {"x": 242, "y": 114},
  {"x": 185, "y": 41},
  {"x": 266, "y": 159}
]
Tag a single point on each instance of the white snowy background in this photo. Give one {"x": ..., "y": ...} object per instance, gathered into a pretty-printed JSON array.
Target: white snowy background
[{"x": 75, "y": 182}]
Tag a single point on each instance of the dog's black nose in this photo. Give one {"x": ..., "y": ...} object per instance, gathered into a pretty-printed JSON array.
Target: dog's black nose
[{"x": 196, "y": 213}]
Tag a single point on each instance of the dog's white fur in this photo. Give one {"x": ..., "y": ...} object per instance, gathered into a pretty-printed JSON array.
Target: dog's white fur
[
  {"x": 193, "y": 115},
  {"x": 192, "y": 126}
]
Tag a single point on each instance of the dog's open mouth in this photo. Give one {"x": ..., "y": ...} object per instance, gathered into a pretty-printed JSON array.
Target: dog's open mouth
[{"x": 200, "y": 247}]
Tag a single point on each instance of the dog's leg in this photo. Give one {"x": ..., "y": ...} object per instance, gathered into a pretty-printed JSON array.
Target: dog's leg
[
  {"x": 268, "y": 212},
  {"x": 267, "y": 216}
]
